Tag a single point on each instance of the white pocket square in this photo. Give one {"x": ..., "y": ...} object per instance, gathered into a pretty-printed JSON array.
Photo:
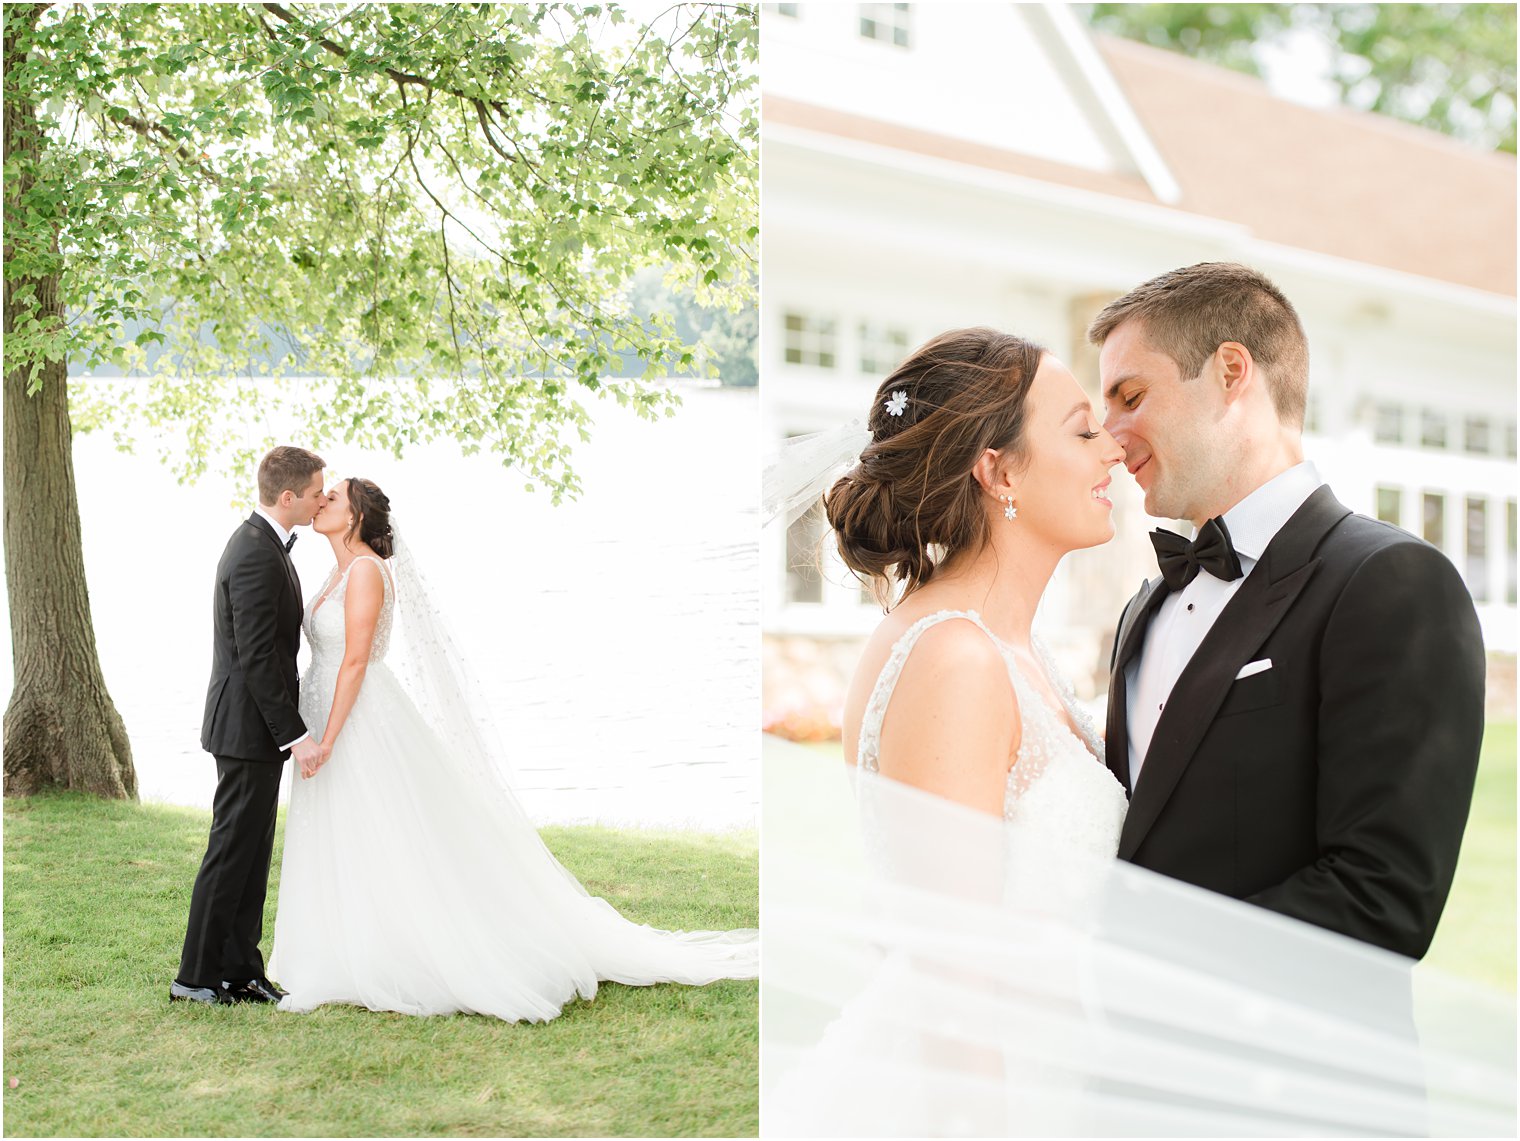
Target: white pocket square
[{"x": 1254, "y": 668}]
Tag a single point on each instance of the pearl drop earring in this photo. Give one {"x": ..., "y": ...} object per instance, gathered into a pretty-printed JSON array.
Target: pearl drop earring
[{"x": 1010, "y": 512}]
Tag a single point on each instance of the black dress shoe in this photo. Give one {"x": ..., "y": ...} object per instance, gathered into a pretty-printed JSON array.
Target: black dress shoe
[
  {"x": 254, "y": 990},
  {"x": 209, "y": 995}
]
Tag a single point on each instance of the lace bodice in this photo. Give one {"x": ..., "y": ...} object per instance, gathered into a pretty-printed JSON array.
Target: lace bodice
[
  {"x": 326, "y": 629},
  {"x": 1057, "y": 786}
]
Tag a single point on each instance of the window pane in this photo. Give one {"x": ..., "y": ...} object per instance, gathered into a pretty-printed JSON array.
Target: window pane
[
  {"x": 807, "y": 340},
  {"x": 1388, "y": 426},
  {"x": 882, "y": 346},
  {"x": 804, "y": 582},
  {"x": 1432, "y": 429},
  {"x": 1475, "y": 435},
  {"x": 1509, "y": 440},
  {"x": 1390, "y": 505},
  {"x": 1509, "y": 544},
  {"x": 885, "y": 23},
  {"x": 1477, "y": 549},
  {"x": 1434, "y": 529}
]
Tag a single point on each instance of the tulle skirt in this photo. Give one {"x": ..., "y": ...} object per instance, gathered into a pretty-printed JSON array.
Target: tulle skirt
[{"x": 411, "y": 883}]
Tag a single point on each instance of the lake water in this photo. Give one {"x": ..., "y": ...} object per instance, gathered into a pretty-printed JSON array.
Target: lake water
[{"x": 617, "y": 636}]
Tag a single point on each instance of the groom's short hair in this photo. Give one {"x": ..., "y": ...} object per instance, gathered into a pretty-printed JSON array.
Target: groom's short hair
[
  {"x": 1188, "y": 313},
  {"x": 287, "y": 469}
]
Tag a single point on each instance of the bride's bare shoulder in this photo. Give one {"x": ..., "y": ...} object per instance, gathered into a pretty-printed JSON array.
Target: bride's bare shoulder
[{"x": 951, "y": 663}]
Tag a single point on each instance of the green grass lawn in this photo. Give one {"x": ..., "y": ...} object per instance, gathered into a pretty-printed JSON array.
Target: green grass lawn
[
  {"x": 96, "y": 895},
  {"x": 1476, "y": 938}
]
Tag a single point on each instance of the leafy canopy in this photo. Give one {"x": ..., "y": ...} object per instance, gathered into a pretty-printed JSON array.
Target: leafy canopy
[{"x": 438, "y": 208}]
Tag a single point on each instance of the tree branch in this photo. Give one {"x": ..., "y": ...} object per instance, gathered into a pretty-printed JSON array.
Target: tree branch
[{"x": 148, "y": 129}]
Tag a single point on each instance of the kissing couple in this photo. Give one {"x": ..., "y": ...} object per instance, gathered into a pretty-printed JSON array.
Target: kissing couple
[
  {"x": 412, "y": 880},
  {"x": 1295, "y": 714}
]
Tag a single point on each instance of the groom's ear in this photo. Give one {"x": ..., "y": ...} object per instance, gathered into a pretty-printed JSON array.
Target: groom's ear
[{"x": 1235, "y": 369}]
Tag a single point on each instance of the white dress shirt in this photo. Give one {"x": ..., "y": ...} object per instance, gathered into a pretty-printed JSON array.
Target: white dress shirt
[
  {"x": 284, "y": 537},
  {"x": 1184, "y": 619}
]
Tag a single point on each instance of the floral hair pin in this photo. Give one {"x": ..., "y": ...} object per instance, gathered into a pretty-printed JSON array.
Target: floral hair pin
[{"x": 896, "y": 403}]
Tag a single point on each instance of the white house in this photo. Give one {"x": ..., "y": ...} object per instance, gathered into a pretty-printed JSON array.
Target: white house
[{"x": 928, "y": 166}]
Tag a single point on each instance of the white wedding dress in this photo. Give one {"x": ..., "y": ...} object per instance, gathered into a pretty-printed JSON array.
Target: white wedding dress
[
  {"x": 412, "y": 881},
  {"x": 1058, "y": 792},
  {"x": 936, "y": 971}
]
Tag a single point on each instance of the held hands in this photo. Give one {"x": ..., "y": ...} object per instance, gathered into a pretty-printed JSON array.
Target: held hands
[{"x": 311, "y": 756}]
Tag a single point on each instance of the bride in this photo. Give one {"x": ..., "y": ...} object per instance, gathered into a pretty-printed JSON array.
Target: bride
[
  {"x": 973, "y": 557},
  {"x": 411, "y": 880},
  {"x": 951, "y": 947}
]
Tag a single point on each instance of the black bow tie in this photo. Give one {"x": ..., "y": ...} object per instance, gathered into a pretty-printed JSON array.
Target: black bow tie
[
  {"x": 1181, "y": 560},
  {"x": 290, "y": 542}
]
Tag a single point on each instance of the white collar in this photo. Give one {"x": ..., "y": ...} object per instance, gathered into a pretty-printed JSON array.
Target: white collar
[
  {"x": 284, "y": 535},
  {"x": 1256, "y": 519}
]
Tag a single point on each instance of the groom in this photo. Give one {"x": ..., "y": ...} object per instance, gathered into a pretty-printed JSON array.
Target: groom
[
  {"x": 1296, "y": 703},
  {"x": 251, "y": 725}
]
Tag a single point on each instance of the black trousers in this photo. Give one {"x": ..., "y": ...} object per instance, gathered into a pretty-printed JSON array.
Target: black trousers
[{"x": 227, "y": 905}]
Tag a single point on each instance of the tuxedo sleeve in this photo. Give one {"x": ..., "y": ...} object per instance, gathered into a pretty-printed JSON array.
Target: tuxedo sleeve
[
  {"x": 1400, "y": 726},
  {"x": 253, "y": 591}
]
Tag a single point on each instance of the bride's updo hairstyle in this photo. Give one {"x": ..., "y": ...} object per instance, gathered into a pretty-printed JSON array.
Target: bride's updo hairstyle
[
  {"x": 372, "y": 516},
  {"x": 912, "y": 503}
]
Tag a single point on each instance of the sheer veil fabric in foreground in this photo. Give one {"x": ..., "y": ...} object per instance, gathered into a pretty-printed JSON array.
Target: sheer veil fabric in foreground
[
  {"x": 801, "y": 470},
  {"x": 931, "y": 971},
  {"x": 412, "y": 880}
]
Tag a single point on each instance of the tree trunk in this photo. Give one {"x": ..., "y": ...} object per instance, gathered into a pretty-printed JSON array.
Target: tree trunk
[{"x": 61, "y": 728}]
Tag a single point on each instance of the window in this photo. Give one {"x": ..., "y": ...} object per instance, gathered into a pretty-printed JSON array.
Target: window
[
  {"x": 1311, "y": 416},
  {"x": 1388, "y": 424},
  {"x": 808, "y": 340},
  {"x": 1432, "y": 429},
  {"x": 1509, "y": 440},
  {"x": 804, "y": 553},
  {"x": 887, "y": 23},
  {"x": 1390, "y": 505},
  {"x": 785, "y": 10},
  {"x": 1475, "y": 435},
  {"x": 1509, "y": 548},
  {"x": 881, "y": 347},
  {"x": 1476, "y": 570},
  {"x": 1434, "y": 529}
]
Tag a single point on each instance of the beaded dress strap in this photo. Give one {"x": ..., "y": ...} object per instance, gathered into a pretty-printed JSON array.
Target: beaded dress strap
[
  {"x": 385, "y": 573},
  {"x": 868, "y": 746}
]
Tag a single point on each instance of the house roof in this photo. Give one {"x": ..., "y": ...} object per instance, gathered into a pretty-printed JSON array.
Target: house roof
[
  {"x": 1337, "y": 181},
  {"x": 1331, "y": 180}
]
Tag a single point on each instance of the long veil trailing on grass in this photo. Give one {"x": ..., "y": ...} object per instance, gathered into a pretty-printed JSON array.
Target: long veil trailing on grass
[
  {"x": 438, "y": 679},
  {"x": 929, "y": 972}
]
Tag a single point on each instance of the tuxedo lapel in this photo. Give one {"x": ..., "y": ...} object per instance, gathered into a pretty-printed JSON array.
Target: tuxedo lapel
[
  {"x": 1246, "y": 622},
  {"x": 261, "y": 525},
  {"x": 1127, "y": 642}
]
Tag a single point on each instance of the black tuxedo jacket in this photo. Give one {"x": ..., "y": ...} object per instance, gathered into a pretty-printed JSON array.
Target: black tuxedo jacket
[
  {"x": 251, "y": 704},
  {"x": 1335, "y": 786}
]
